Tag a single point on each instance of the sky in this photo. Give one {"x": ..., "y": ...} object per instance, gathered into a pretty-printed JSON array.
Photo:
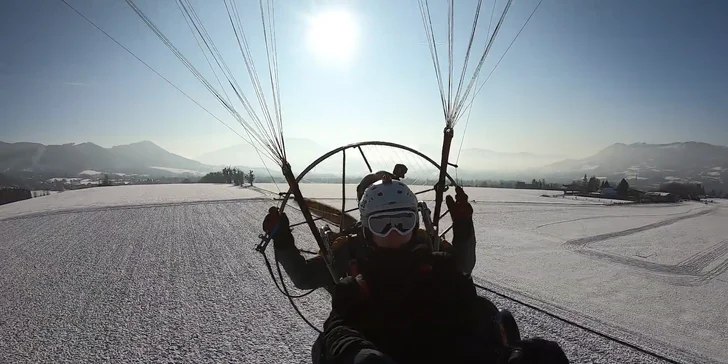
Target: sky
[{"x": 582, "y": 75}]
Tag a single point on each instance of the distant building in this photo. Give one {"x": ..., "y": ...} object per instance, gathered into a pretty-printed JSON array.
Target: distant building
[
  {"x": 609, "y": 192},
  {"x": 524, "y": 185},
  {"x": 635, "y": 193},
  {"x": 660, "y": 197},
  {"x": 572, "y": 188}
]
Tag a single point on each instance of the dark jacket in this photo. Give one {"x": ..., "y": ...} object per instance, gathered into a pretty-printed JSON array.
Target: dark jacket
[
  {"x": 312, "y": 272},
  {"x": 415, "y": 309}
]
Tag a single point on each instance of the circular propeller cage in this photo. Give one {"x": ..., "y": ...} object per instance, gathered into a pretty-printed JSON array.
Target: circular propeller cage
[{"x": 420, "y": 186}]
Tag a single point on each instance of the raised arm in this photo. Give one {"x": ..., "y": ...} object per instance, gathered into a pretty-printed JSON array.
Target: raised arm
[
  {"x": 304, "y": 273},
  {"x": 463, "y": 242}
]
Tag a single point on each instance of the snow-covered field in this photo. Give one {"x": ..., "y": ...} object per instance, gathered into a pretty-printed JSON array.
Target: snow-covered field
[
  {"x": 130, "y": 195},
  {"x": 168, "y": 273},
  {"x": 640, "y": 272}
]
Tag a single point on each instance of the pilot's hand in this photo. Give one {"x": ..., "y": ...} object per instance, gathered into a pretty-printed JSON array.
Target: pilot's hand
[
  {"x": 277, "y": 226},
  {"x": 347, "y": 297},
  {"x": 459, "y": 207}
]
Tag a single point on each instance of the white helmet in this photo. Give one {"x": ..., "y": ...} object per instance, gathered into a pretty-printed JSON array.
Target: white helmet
[{"x": 383, "y": 197}]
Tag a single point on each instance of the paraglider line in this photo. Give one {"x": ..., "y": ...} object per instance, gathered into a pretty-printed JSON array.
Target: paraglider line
[
  {"x": 470, "y": 109},
  {"x": 172, "y": 84},
  {"x": 150, "y": 67},
  {"x": 506, "y": 52}
]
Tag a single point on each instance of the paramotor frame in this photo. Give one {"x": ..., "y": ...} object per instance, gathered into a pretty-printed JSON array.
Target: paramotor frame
[
  {"x": 324, "y": 236},
  {"x": 304, "y": 202}
]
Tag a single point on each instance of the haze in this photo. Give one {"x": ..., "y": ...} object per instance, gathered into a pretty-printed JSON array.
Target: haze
[{"x": 581, "y": 76}]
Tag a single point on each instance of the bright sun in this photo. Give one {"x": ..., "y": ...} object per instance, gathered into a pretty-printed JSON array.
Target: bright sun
[{"x": 333, "y": 35}]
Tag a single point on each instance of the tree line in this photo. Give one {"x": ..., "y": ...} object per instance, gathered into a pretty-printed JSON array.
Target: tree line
[
  {"x": 539, "y": 184},
  {"x": 238, "y": 177},
  {"x": 684, "y": 190},
  {"x": 230, "y": 176}
]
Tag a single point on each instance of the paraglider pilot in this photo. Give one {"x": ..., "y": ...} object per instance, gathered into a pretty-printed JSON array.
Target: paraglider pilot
[
  {"x": 411, "y": 305},
  {"x": 348, "y": 250}
]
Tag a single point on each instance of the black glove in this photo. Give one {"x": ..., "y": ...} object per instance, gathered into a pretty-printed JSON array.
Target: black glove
[
  {"x": 347, "y": 297},
  {"x": 460, "y": 209},
  {"x": 537, "y": 351},
  {"x": 277, "y": 225}
]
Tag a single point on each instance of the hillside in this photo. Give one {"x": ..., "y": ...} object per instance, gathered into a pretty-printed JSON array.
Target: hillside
[
  {"x": 301, "y": 153},
  {"x": 72, "y": 159},
  {"x": 651, "y": 164}
]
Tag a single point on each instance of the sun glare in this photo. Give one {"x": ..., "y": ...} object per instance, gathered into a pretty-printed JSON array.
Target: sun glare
[{"x": 332, "y": 36}]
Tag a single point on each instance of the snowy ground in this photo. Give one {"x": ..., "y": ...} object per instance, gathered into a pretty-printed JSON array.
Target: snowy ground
[
  {"x": 636, "y": 271},
  {"x": 171, "y": 279},
  {"x": 130, "y": 195}
]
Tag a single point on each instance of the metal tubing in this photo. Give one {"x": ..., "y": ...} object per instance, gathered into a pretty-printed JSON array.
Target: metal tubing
[
  {"x": 298, "y": 197},
  {"x": 343, "y": 191},
  {"x": 440, "y": 186},
  {"x": 365, "y": 159}
]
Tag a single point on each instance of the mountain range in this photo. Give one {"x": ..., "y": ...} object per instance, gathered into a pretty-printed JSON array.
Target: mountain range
[
  {"x": 648, "y": 165},
  {"x": 74, "y": 159},
  {"x": 301, "y": 152},
  {"x": 643, "y": 165},
  {"x": 470, "y": 160},
  {"x": 651, "y": 164}
]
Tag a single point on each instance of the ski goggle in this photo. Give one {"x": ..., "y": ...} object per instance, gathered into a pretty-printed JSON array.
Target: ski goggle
[{"x": 402, "y": 221}]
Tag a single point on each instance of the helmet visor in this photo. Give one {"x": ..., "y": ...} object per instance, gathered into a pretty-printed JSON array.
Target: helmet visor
[{"x": 402, "y": 221}]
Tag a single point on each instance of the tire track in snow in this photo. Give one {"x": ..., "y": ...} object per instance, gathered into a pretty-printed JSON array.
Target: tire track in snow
[
  {"x": 700, "y": 263},
  {"x": 583, "y": 242},
  {"x": 713, "y": 273},
  {"x": 692, "y": 259},
  {"x": 638, "y": 263},
  {"x": 697, "y": 262},
  {"x": 610, "y": 216},
  {"x": 689, "y": 272}
]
